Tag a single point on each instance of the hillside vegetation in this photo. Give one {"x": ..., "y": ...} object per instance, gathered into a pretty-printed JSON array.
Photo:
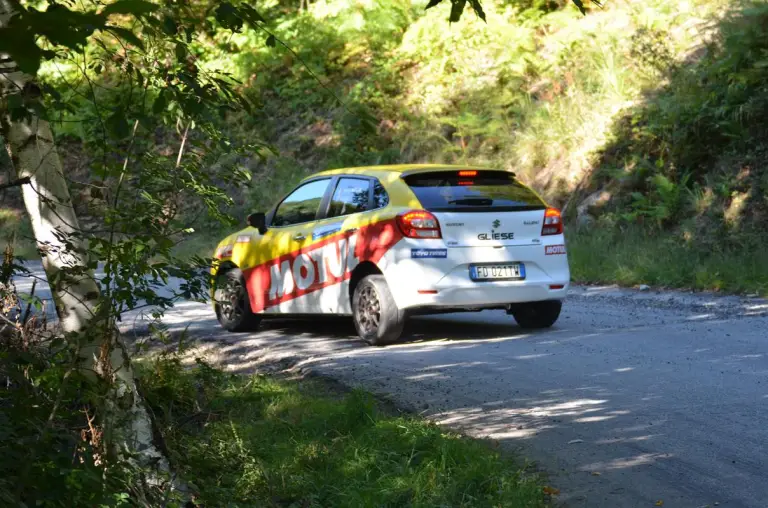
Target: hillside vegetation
[{"x": 654, "y": 110}]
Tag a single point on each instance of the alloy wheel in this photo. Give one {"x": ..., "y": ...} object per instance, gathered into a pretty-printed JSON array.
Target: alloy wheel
[
  {"x": 231, "y": 300},
  {"x": 368, "y": 309}
]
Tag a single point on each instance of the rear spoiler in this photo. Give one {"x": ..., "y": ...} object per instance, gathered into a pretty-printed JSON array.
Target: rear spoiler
[{"x": 443, "y": 169}]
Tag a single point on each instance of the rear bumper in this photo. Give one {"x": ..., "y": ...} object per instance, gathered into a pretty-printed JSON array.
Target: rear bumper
[
  {"x": 445, "y": 282},
  {"x": 478, "y": 297}
]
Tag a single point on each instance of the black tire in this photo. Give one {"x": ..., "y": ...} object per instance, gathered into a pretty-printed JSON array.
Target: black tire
[
  {"x": 377, "y": 319},
  {"x": 233, "y": 308},
  {"x": 537, "y": 314}
]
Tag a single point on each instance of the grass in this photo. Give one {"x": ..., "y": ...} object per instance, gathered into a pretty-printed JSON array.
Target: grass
[
  {"x": 665, "y": 259},
  {"x": 260, "y": 441}
]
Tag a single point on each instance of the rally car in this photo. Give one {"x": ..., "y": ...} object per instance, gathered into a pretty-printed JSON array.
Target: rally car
[{"x": 386, "y": 242}]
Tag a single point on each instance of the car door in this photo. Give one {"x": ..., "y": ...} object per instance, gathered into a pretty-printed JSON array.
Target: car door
[
  {"x": 351, "y": 196},
  {"x": 291, "y": 274}
]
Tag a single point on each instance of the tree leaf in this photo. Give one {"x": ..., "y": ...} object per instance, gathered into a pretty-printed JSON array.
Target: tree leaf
[
  {"x": 126, "y": 35},
  {"x": 478, "y": 8},
  {"x": 136, "y": 7},
  {"x": 181, "y": 52},
  {"x": 457, "y": 7},
  {"x": 169, "y": 25},
  {"x": 20, "y": 45},
  {"x": 251, "y": 15},
  {"x": 118, "y": 125},
  {"x": 580, "y": 5},
  {"x": 432, "y": 3},
  {"x": 229, "y": 17},
  {"x": 271, "y": 41}
]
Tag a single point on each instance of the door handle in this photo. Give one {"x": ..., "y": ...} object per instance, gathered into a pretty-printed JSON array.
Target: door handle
[
  {"x": 351, "y": 230},
  {"x": 299, "y": 237}
]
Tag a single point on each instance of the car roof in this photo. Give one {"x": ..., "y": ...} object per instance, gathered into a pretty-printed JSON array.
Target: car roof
[{"x": 394, "y": 169}]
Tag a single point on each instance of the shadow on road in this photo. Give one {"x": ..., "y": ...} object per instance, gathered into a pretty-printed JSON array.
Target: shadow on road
[{"x": 452, "y": 327}]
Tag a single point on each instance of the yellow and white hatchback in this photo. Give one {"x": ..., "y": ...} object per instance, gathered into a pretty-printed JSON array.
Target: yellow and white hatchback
[{"x": 386, "y": 242}]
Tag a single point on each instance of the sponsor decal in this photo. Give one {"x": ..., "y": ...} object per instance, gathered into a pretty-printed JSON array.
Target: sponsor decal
[
  {"x": 429, "y": 253},
  {"x": 496, "y": 236},
  {"x": 550, "y": 250},
  {"x": 496, "y": 224},
  {"x": 322, "y": 233},
  {"x": 530, "y": 222},
  {"x": 243, "y": 239},
  {"x": 455, "y": 224},
  {"x": 325, "y": 263},
  {"x": 225, "y": 251}
]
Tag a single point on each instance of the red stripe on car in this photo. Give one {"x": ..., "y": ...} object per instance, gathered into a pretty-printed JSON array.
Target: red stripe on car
[{"x": 318, "y": 266}]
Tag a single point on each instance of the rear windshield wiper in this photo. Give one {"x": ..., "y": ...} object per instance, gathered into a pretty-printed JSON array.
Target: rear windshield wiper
[{"x": 471, "y": 201}]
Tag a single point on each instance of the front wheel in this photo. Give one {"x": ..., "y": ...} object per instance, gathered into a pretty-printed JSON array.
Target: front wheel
[
  {"x": 536, "y": 314},
  {"x": 233, "y": 309},
  {"x": 377, "y": 319}
]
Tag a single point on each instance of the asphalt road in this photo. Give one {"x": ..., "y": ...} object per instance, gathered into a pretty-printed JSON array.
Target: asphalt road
[{"x": 632, "y": 398}]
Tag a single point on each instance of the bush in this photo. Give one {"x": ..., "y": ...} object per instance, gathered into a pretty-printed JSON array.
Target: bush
[{"x": 51, "y": 454}]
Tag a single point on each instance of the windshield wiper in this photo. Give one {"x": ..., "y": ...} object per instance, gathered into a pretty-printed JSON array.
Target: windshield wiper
[{"x": 471, "y": 201}]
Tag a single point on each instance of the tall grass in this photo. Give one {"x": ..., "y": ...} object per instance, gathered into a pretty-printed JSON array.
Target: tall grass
[{"x": 637, "y": 255}]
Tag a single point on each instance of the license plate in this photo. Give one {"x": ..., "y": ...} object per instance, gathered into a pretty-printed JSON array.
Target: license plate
[{"x": 510, "y": 271}]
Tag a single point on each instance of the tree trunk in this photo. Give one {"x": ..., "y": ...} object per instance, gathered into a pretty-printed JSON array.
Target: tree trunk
[{"x": 83, "y": 315}]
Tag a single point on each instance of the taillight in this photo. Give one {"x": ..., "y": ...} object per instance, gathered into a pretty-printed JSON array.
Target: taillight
[
  {"x": 419, "y": 224},
  {"x": 553, "y": 222}
]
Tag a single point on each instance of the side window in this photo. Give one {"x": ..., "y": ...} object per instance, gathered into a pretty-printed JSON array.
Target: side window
[
  {"x": 301, "y": 205},
  {"x": 380, "y": 196},
  {"x": 350, "y": 196}
]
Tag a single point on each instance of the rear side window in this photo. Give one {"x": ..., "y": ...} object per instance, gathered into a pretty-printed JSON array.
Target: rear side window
[
  {"x": 302, "y": 204},
  {"x": 472, "y": 191},
  {"x": 350, "y": 196},
  {"x": 380, "y": 196}
]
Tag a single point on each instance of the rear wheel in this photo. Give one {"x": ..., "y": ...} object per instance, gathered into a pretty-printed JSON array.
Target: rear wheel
[
  {"x": 536, "y": 314},
  {"x": 233, "y": 309},
  {"x": 377, "y": 319}
]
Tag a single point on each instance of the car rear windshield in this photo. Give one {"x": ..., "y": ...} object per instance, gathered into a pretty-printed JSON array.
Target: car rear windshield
[{"x": 472, "y": 191}]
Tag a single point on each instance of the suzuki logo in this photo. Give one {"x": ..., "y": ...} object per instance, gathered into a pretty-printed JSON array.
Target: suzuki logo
[{"x": 496, "y": 223}]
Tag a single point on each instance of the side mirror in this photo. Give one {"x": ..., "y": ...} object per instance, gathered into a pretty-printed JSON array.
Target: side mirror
[{"x": 258, "y": 220}]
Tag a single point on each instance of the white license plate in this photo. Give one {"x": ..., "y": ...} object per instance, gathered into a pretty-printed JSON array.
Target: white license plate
[{"x": 508, "y": 271}]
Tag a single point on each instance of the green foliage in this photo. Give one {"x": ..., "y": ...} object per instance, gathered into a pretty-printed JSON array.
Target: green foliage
[
  {"x": 149, "y": 119},
  {"x": 695, "y": 147},
  {"x": 662, "y": 204},
  {"x": 688, "y": 168},
  {"x": 48, "y": 457},
  {"x": 536, "y": 86},
  {"x": 631, "y": 255},
  {"x": 458, "y": 6},
  {"x": 16, "y": 232},
  {"x": 123, "y": 77},
  {"x": 256, "y": 441}
]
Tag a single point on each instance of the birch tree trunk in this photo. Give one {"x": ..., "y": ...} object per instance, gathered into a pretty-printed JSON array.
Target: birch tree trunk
[{"x": 83, "y": 315}]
